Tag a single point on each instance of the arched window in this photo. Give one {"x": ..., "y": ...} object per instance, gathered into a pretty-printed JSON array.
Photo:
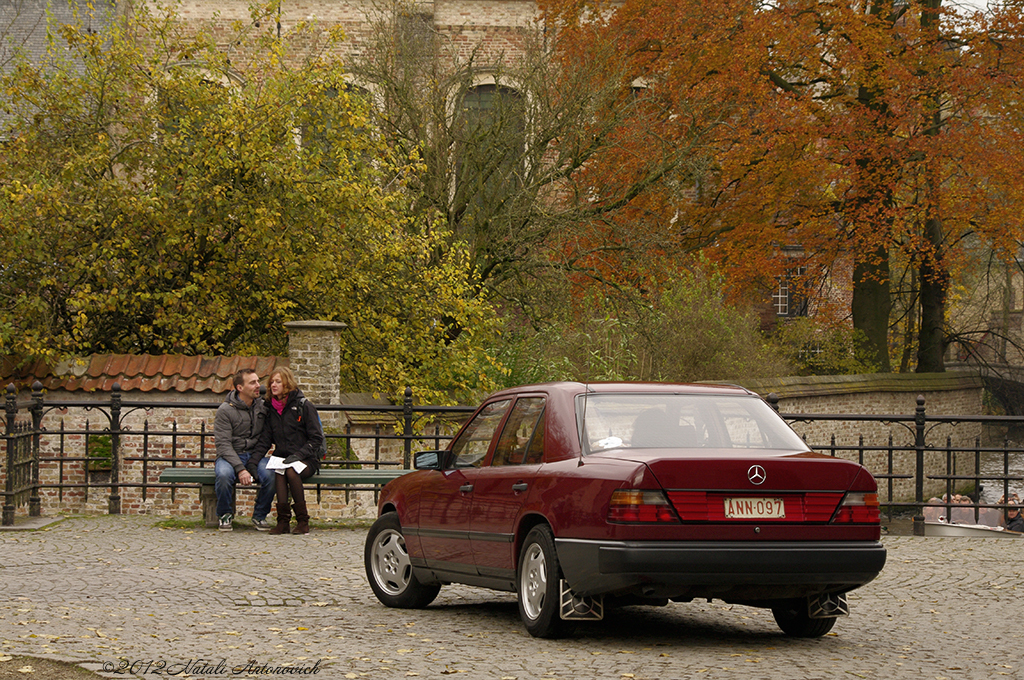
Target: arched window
[
  {"x": 327, "y": 123},
  {"x": 190, "y": 97},
  {"x": 491, "y": 136}
]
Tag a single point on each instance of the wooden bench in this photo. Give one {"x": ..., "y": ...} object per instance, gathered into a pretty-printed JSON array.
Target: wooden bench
[{"x": 326, "y": 477}]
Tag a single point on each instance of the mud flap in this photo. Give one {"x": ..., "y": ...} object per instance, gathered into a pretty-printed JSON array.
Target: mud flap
[
  {"x": 575, "y": 608},
  {"x": 827, "y": 606}
]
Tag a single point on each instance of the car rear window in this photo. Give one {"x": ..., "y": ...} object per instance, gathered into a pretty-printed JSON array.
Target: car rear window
[{"x": 683, "y": 421}]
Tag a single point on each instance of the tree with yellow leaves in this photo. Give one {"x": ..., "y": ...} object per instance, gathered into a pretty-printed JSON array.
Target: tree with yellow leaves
[{"x": 163, "y": 193}]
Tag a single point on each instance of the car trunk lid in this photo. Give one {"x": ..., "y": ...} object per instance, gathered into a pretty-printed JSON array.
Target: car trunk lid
[{"x": 787, "y": 487}]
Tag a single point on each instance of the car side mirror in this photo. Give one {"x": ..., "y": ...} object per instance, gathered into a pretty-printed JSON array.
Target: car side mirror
[{"x": 429, "y": 460}]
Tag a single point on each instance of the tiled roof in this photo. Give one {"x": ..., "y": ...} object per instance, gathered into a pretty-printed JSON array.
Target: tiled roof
[{"x": 165, "y": 373}]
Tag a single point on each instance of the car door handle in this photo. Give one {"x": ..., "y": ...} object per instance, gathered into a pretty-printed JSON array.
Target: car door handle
[
  {"x": 520, "y": 486},
  {"x": 466, "y": 488}
]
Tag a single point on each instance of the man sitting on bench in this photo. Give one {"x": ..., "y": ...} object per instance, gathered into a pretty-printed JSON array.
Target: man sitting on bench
[{"x": 236, "y": 429}]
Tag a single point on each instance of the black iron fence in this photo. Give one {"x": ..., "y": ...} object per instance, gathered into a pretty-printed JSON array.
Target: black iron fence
[
  {"x": 50, "y": 453},
  {"x": 20, "y": 463},
  {"x": 959, "y": 467}
]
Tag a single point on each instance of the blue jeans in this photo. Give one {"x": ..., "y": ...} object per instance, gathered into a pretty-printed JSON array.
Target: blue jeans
[{"x": 224, "y": 487}]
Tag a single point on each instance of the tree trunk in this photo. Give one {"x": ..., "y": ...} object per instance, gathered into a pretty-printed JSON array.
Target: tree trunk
[
  {"x": 931, "y": 343},
  {"x": 870, "y": 306},
  {"x": 911, "y": 328}
]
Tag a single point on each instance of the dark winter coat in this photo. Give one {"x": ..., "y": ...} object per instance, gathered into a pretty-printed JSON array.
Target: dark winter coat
[
  {"x": 297, "y": 430},
  {"x": 237, "y": 428}
]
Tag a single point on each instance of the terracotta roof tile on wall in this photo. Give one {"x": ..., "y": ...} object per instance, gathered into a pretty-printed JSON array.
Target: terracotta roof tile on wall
[{"x": 167, "y": 373}]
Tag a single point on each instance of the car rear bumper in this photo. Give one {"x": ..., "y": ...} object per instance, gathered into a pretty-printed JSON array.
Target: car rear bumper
[{"x": 696, "y": 568}]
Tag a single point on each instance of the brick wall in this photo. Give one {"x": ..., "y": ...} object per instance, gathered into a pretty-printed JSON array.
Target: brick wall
[
  {"x": 314, "y": 355},
  {"x": 181, "y": 428},
  {"x": 185, "y": 434},
  {"x": 493, "y": 26}
]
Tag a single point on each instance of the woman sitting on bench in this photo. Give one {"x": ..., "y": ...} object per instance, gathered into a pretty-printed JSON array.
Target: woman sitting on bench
[{"x": 293, "y": 427}]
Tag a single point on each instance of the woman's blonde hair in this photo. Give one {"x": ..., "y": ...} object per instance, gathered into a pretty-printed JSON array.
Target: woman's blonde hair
[{"x": 287, "y": 378}]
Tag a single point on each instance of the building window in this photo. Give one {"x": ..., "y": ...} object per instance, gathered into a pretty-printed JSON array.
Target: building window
[
  {"x": 493, "y": 125},
  {"x": 786, "y": 299},
  {"x": 326, "y": 123}
]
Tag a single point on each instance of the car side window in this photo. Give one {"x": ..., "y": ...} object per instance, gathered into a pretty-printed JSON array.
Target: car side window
[
  {"x": 471, "y": 447},
  {"x": 535, "y": 454},
  {"x": 522, "y": 439}
]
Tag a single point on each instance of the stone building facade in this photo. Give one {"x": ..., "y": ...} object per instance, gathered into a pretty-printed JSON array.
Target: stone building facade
[{"x": 492, "y": 24}]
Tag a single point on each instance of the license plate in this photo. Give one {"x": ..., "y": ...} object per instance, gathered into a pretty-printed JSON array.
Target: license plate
[{"x": 754, "y": 508}]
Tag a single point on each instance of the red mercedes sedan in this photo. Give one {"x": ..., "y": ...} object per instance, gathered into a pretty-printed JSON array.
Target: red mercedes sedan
[{"x": 582, "y": 497}]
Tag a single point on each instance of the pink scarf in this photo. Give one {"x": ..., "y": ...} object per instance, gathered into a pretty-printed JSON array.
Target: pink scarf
[{"x": 278, "y": 405}]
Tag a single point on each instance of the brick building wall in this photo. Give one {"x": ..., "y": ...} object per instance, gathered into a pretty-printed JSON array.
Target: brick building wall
[{"x": 495, "y": 26}]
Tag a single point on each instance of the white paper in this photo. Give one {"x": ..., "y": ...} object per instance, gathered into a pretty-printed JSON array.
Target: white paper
[{"x": 276, "y": 463}]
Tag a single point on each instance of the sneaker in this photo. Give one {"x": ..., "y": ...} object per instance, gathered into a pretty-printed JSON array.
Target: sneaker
[
  {"x": 225, "y": 522},
  {"x": 260, "y": 524}
]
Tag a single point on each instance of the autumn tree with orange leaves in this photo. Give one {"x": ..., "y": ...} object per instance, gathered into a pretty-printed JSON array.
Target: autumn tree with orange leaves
[{"x": 871, "y": 132}]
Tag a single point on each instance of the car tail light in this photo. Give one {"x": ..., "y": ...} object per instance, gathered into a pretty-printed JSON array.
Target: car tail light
[
  {"x": 858, "y": 508},
  {"x": 637, "y": 506}
]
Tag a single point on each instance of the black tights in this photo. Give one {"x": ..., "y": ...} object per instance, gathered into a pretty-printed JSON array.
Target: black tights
[{"x": 291, "y": 481}]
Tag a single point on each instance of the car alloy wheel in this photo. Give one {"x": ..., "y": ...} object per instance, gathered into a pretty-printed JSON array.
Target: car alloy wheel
[
  {"x": 389, "y": 569},
  {"x": 391, "y": 566},
  {"x": 539, "y": 582},
  {"x": 535, "y": 581}
]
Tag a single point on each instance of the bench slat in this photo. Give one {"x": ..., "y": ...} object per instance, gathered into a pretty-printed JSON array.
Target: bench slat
[{"x": 189, "y": 475}]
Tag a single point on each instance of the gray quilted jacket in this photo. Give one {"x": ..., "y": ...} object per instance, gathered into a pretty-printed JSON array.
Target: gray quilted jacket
[{"x": 237, "y": 427}]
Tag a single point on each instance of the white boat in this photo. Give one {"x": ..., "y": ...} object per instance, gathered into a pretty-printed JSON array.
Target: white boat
[{"x": 968, "y": 531}]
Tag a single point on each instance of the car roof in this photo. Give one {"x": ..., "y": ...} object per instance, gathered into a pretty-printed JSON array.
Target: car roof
[{"x": 570, "y": 388}]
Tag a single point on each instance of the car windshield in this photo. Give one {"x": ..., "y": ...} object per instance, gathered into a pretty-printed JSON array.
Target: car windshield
[{"x": 646, "y": 421}]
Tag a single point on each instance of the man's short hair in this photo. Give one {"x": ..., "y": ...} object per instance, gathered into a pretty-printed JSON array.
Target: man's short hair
[{"x": 239, "y": 378}]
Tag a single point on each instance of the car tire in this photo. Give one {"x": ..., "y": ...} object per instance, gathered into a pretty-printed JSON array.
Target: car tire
[
  {"x": 794, "y": 620},
  {"x": 389, "y": 569},
  {"x": 538, "y": 582}
]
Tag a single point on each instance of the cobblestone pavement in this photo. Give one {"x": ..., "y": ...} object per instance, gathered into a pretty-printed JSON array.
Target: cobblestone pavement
[{"x": 204, "y": 603}]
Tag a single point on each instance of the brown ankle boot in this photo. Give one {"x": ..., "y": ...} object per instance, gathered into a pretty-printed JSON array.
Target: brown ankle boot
[
  {"x": 301, "y": 517},
  {"x": 284, "y": 518}
]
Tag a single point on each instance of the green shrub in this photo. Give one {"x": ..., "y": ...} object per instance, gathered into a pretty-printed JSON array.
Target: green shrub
[
  {"x": 100, "y": 453},
  {"x": 816, "y": 348},
  {"x": 338, "y": 449},
  {"x": 684, "y": 333}
]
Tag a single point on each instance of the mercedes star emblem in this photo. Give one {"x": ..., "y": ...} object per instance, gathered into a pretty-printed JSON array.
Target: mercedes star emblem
[{"x": 756, "y": 475}]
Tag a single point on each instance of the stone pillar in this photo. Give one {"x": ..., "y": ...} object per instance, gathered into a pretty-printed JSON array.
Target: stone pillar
[{"x": 314, "y": 355}]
